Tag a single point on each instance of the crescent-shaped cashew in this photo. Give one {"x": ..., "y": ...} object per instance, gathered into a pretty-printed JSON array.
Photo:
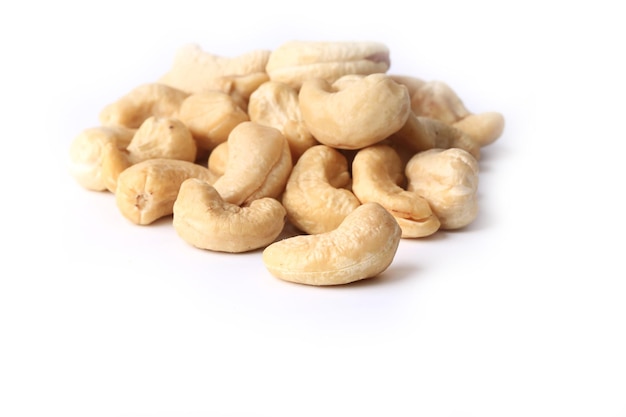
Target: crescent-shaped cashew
[
  {"x": 147, "y": 191},
  {"x": 203, "y": 219},
  {"x": 316, "y": 197},
  {"x": 259, "y": 163},
  {"x": 364, "y": 112},
  {"x": 363, "y": 246},
  {"x": 377, "y": 177}
]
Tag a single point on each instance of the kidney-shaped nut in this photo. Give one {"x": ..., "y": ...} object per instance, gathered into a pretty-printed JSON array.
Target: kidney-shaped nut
[
  {"x": 448, "y": 180},
  {"x": 365, "y": 112},
  {"x": 203, "y": 219},
  {"x": 436, "y": 100},
  {"x": 276, "y": 104},
  {"x": 297, "y": 61},
  {"x": 423, "y": 133},
  {"x": 86, "y": 152},
  {"x": 259, "y": 164},
  {"x": 211, "y": 116},
  {"x": 316, "y": 196},
  {"x": 162, "y": 137},
  {"x": 132, "y": 109},
  {"x": 218, "y": 159},
  {"x": 363, "y": 246},
  {"x": 195, "y": 70},
  {"x": 147, "y": 191},
  {"x": 377, "y": 177},
  {"x": 484, "y": 128}
]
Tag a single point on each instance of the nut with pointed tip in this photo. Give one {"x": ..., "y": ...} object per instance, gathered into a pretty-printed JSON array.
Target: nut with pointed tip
[
  {"x": 363, "y": 246},
  {"x": 203, "y": 219}
]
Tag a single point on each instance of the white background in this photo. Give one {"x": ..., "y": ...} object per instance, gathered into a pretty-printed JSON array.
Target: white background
[{"x": 522, "y": 314}]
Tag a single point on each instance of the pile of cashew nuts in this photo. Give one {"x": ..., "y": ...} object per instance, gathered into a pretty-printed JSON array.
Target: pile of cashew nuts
[{"x": 314, "y": 135}]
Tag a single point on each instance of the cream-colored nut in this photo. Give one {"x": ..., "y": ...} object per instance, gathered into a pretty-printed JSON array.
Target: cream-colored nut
[
  {"x": 132, "y": 109},
  {"x": 114, "y": 162},
  {"x": 448, "y": 180},
  {"x": 484, "y": 128},
  {"x": 218, "y": 159},
  {"x": 195, "y": 70},
  {"x": 366, "y": 112},
  {"x": 436, "y": 100},
  {"x": 259, "y": 164},
  {"x": 316, "y": 197},
  {"x": 162, "y": 137},
  {"x": 203, "y": 219},
  {"x": 240, "y": 87},
  {"x": 363, "y": 246},
  {"x": 412, "y": 83},
  {"x": 377, "y": 176},
  {"x": 297, "y": 61},
  {"x": 275, "y": 104},
  {"x": 423, "y": 133},
  {"x": 147, "y": 191},
  {"x": 211, "y": 116},
  {"x": 85, "y": 159}
]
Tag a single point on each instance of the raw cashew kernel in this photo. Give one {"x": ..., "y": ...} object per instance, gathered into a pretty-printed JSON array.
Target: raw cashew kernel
[
  {"x": 365, "y": 112},
  {"x": 377, "y": 176},
  {"x": 275, "y": 104},
  {"x": 363, "y": 246},
  {"x": 86, "y": 150},
  {"x": 436, "y": 100},
  {"x": 259, "y": 164},
  {"x": 162, "y": 137},
  {"x": 317, "y": 198},
  {"x": 448, "y": 180},
  {"x": 484, "y": 128},
  {"x": 218, "y": 159},
  {"x": 146, "y": 100},
  {"x": 203, "y": 219},
  {"x": 195, "y": 70},
  {"x": 211, "y": 116},
  {"x": 297, "y": 61},
  {"x": 147, "y": 191}
]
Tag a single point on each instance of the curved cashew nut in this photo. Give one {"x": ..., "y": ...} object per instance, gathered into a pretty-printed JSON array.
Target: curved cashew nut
[
  {"x": 316, "y": 196},
  {"x": 203, "y": 219},
  {"x": 259, "y": 163},
  {"x": 448, "y": 180},
  {"x": 423, "y": 133},
  {"x": 484, "y": 128},
  {"x": 297, "y": 61},
  {"x": 194, "y": 70},
  {"x": 218, "y": 159},
  {"x": 363, "y": 113},
  {"x": 147, "y": 191},
  {"x": 363, "y": 246},
  {"x": 210, "y": 117},
  {"x": 146, "y": 100},
  {"x": 86, "y": 153},
  {"x": 377, "y": 177},
  {"x": 162, "y": 137},
  {"x": 436, "y": 100},
  {"x": 275, "y": 104}
]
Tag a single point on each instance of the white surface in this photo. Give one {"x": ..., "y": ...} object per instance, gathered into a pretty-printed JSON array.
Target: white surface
[{"x": 523, "y": 314}]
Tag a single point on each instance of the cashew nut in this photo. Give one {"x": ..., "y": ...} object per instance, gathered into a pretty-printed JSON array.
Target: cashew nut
[
  {"x": 276, "y": 104},
  {"x": 132, "y": 109},
  {"x": 436, "y": 100},
  {"x": 484, "y": 128},
  {"x": 259, "y": 163},
  {"x": 448, "y": 180},
  {"x": 195, "y": 70},
  {"x": 298, "y": 61},
  {"x": 211, "y": 116},
  {"x": 146, "y": 191},
  {"x": 203, "y": 219},
  {"x": 363, "y": 246},
  {"x": 363, "y": 113},
  {"x": 377, "y": 177},
  {"x": 316, "y": 196},
  {"x": 162, "y": 137},
  {"x": 218, "y": 159},
  {"x": 86, "y": 153}
]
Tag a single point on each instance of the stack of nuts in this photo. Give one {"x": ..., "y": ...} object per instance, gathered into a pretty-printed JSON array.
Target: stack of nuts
[{"x": 313, "y": 134}]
